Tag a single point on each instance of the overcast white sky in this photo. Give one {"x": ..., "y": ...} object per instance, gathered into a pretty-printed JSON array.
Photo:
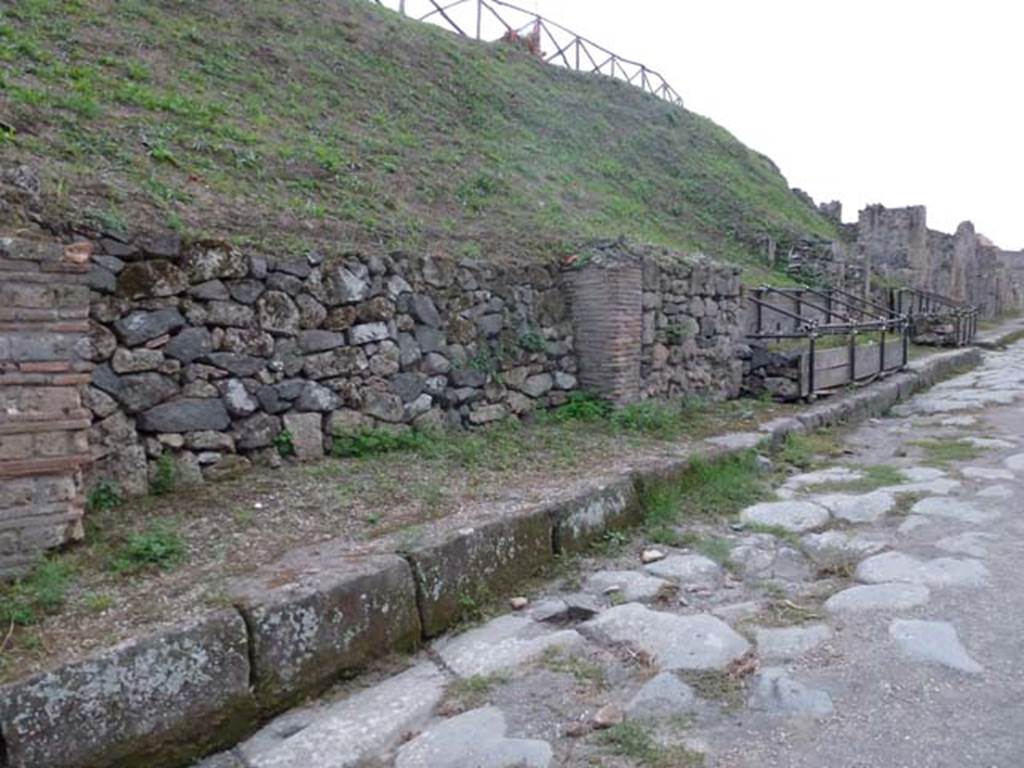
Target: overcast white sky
[{"x": 897, "y": 102}]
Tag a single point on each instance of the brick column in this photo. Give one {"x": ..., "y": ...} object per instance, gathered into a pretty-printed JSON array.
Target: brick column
[
  {"x": 44, "y": 310},
  {"x": 607, "y": 311}
]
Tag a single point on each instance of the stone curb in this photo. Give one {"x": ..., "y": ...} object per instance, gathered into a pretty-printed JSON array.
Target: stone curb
[{"x": 318, "y": 614}]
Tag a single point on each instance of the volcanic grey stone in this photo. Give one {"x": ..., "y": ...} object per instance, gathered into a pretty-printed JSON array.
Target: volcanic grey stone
[
  {"x": 864, "y": 508},
  {"x": 953, "y": 509},
  {"x": 878, "y": 597},
  {"x": 315, "y": 397},
  {"x": 237, "y": 398},
  {"x": 368, "y": 333},
  {"x": 135, "y": 392},
  {"x": 429, "y": 339},
  {"x": 344, "y": 286},
  {"x": 256, "y": 431},
  {"x": 229, "y": 314},
  {"x": 140, "y": 327},
  {"x": 940, "y": 572},
  {"x": 320, "y": 341},
  {"x": 408, "y": 386},
  {"x": 536, "y": 386},
  {"x": 213, "y": 290},
  {"x": 343, "y": 361},
  {"x": 185, "y": 415},
  {"x": 972, "y": 543},
  {"x": 153, "y": 278},
  {"x": 1015, "y": 463},
  {"x": 422, "y": 308},
  {"x": 234, "y": 363},
  {"x": 506, "y": 642},
  {"x": 278, "y": 313},
  {"x": 189, "y": 345},
  {"x": 633, "y": 586},
  {"x": 475, "y": 738},
  {"x": 796, "y": 516},
  {"x": 209, "y": 263},
  {"x": 246, "y": 291},
  {"x": 778, "y": 693},
  {"x": 790, "y": 642},
  {"x": 663, "y": 696},
  {"x": 136, "y": 360},
  {"x": 831, "y": 549},
  {"x": 934, "y": 641},
  {"x": 349, "y": 732},
  {"x": 688, "y": 570},
  {"x": 176, "y": 692},
  {"x": 673, "y": 642},
  {"x": 986, "y": 473}
]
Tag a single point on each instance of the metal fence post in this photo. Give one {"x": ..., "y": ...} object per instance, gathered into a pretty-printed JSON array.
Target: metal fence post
[
  {"x": 853, "y": 356},
  {"x": 810, "y": 364}
]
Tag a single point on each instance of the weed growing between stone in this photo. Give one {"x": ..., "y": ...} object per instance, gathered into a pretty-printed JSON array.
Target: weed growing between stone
[
  {"x": 470, "y": 692},
  {"x": 160, "y": 547},
  {"x": 804, "y": 451},
  {"x": 942, "y": 453},
  {"x": 875, "y": 476},
  {"x": 634, "y": 739},
  {"x": 26, "y": 601},
  {"x": 165, "y": 478},
  {"x": 585, "y": 672}
]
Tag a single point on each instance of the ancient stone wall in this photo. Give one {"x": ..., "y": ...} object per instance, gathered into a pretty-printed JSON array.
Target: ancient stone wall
[
  {"x": 211, "y": 358},
  {"x": 44, "y": 305}
]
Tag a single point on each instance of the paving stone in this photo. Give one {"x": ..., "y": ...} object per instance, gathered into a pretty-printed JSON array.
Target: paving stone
[
  {"x": 319, "y": 612},
  {"x": 997, "y": 492},
  {"x": 795, "y": 516},
  {"x": 664, "y": 695},
  {"x": 633, "y": 585},
  {"x": 176, "y": 692},
  {"x": 938, "y": 487},
  {"x": 878, "y": 597},
  {"x": 863, "y": 508},
  {"x": 940, "y": 572},
  {"x": 778, "y": 693},
  {"x": 831, "y": 549},
  {"x": 821, "y": 476},
  {"x": 959, "y": 421},
  {"x": 913, "y": 522},
  {"x": 989, "y": 442},
  {"x": 673, "y": 642},
  {"x": 1015, "y": 462},
  {"x": 502, "y": 643},
  {"x": 934, "y": 641},
  {"x": 346, "y": 733},
  {"x": 986, "y": 473},
  {"x": 761, "y": 556},
  {"x": 973, "y": 543},
  {"x": 952, "y": 509},
  {"x": 736, "y": 612},
  {"x": 473, "y": 739},
  {"x": 688, "y": 570},
  {"x": 922, "y": 474},
  {"x": 790, "y": 642}
]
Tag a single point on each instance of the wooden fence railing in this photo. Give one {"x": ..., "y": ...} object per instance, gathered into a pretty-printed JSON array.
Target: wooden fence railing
[{"x": 497, "y": 20}]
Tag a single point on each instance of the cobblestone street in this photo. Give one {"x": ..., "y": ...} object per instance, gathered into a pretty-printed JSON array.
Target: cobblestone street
[{"x": 870, "y": 615}]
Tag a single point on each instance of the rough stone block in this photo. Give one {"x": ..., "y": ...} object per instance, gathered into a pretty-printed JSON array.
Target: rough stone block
[
  {"x": 156, "y": 701},
  {"x": 473, "y": 563},
  {"x": 587, "y": 516},
  {"x": 318, "y": 613},
  {"x": 307, "y": 435}
]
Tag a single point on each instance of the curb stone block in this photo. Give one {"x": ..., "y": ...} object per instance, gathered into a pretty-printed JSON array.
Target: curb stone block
[
  {"x": 318, "y": 613},
  {"x": 155, "y": 701},
  {"x": 581, "y": 520},
  {"x": 461, "y": 567}
]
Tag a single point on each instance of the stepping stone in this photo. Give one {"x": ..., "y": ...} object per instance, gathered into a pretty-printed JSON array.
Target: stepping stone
[
  {"x": 940, "y": 572},
  {"x": 475, "y": 738},
  {"x": 972, "y": 544},
  {"x": 934, "y": 641},
  {"x": 351, "y": 731},
  {"x": 664, "y": 695},
  {"x": 673, "y": 642},
  {"x": 922, "y": 474},
  {"x": 832, "y": 549},
  {"x": 761, "y": 556},
  {"x": 939, "y": 487},
  {"x": 795, "y": 516},
  {"x": 864, "y": 508},
  {"x": 997, "y": 492},
  {"x": 878, "y": 597},
  {"x": 986, "y": 473},
  {"x": 633, "y": 586},
  {"x": 570, "y": 609},
  {"x": 790, "y": 642},
  {"x": 913, "y": 522},
  {"x": 821, "y": 476},
  {"x": 952, "y": 509},
  {"x": 502, "y": 643},
  {"x": 777, "y": 693},
  {"x": 1015, "y": 462},
  {"x": 688, "y": 570}
]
